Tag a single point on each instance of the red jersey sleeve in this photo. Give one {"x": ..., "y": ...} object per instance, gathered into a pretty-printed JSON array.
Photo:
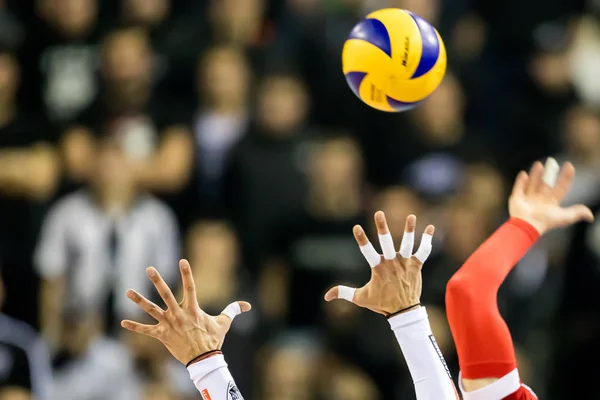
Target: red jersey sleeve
[{"x": 524, "y": 393}]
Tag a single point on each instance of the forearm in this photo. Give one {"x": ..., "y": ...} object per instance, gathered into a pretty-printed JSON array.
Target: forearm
[
  {"x": 213, "y": 379},
  {"x": 483, "y": 341},
  {"x": 425, "y": 361}
]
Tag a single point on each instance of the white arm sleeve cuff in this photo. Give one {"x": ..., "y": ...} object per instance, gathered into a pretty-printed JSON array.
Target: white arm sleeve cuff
[
  {"x": 425, "y": 361},
  {"x": 498, "y": 390},
  {"x": 213, "y": 379}
]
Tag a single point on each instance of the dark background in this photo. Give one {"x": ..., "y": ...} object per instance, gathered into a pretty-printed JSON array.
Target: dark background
[{"x": 236, "y": 114}]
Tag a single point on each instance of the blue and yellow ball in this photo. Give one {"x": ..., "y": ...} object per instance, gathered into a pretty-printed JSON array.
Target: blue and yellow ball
[{"x": 393, "y": 59}]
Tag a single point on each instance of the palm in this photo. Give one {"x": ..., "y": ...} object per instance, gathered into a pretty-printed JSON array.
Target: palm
[
  {"x": 397, "y": 282},
  {"x": 193, "y": 325},
  {"x": 538, "y": 203}
]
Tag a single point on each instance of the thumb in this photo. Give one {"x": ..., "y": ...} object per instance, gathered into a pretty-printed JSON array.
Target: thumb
[
  {"x": 341, "y": 292},
  {"x": 579, "y": 213},
  {"x": 233, "y": 310}
]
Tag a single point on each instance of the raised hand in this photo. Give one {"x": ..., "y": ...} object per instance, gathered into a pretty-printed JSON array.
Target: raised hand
[
  {"x": 185, "y": 330},
  {"x": 536, "y": 197},
  {"x": 396, "y": 281}
]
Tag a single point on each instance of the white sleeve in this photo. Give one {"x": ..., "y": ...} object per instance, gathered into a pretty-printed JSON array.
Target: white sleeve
[
  {"x": 425, "y": 361},
  {"x": 500, "y": 389},
  {"x": 50, "y": 257},
  {"x": 213, "y": 379}
]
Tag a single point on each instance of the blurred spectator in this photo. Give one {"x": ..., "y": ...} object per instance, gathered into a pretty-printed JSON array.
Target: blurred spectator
[
  {"x": 581, "y": 138},
  {"x": 97, "y": 242},
  {"x": 25, "y": 372},
  {"x": 93, "y": 366},
  {"x": 152, "y": 131},
  {"x": 149, "y": 13},
  {"x": 158, "y": 96},
  {"x": 428, "y": 9},
  {"x": 61, "y": 58},
  {"x": 585, "y": 58},
  {"x": 484, "y": 189},
  {"x": 317, "y": 249},
  {"x": 440, "y": 120},
  {"x": 350, "y": 384},
  {"x": 221, "y": 120},
  {"x": 237, "y": 22},
  {"x": 159, "y": 392},
  {"x": 29, "y": 171},
  {"x": 577, "y": 325},
  {"x": 12, "y": 32},
  {"x": 291, "y": 368},
  {"x": 264, "y": 178}
]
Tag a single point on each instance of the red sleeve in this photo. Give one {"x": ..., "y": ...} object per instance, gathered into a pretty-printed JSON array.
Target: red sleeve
[
  {"x": 483, "y": 341},
  {"x": 524, "y": 393}
]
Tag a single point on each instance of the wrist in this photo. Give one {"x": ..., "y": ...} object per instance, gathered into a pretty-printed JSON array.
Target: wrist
[
  {"x": 406, "y": 309},
  {"x": 203, "y": 368},
  {"x": 204, "y": 356},
  {"x": 532, "y": 229}
]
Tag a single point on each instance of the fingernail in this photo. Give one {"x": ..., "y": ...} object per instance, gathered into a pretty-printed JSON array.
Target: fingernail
[
  {"x": 130, "y": 294},
  {"x": 151, "y": 272}
]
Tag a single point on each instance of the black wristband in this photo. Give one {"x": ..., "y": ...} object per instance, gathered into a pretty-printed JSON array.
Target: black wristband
[
  {"x": 203, "y": 356},
  {"x": 404, "y": 310}
]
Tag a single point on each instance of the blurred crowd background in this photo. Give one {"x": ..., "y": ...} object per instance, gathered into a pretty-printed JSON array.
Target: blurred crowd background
[{"x": 136, "y": 132}]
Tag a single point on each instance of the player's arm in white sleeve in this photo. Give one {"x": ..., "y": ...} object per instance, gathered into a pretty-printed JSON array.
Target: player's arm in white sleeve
[
  {"x": 193, "y": 337},
  {"x": 395, "y": 291},
  {"x": 213, "y": 379},
  {"x": 425, "y": 361}
]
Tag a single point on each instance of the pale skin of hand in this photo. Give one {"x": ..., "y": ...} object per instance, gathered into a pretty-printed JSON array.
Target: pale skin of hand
[
  {"x": 535, "y": 202},
  {"x": 395, "y": 284},
  {"x": 183, "y": 328}
]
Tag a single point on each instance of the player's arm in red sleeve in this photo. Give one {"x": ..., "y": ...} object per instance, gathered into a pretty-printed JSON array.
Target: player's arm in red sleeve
[{"x": 483, "y": 341}]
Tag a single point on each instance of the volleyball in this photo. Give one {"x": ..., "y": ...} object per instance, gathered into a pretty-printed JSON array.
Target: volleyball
[{"x": 393, "y": 59}]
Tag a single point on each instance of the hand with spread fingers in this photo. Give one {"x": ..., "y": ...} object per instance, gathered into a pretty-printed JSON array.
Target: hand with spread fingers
[
  {"x": 185, "y": 330},
  {"x": 536, "y": 197},
  {"x": 396, "y": 282}
]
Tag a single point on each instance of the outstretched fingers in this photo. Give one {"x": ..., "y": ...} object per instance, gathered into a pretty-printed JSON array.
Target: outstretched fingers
[
  {"x": 550, "y": 176},
  {"x": 535, "y": 178},
  {"x": 236, "y": 308},
  {"x": 163, "y": 289},
  {"x": 408, "y": 239},
  {"x": 187, "y": 280},
  {"x": 385, "y": 237},
  {"x": 149, "y": 307},
  {"x": 521, "y": 183},
  {"x": 366, "y": 248},
  {"x": 231, "y": 311},
  {"x": 564, "y": 181},
  {"x": 148, "y": 330},
  {"x": 341, "y": 292},
  {"x": 425, "y": 247},
  {"x": 577, "y": 213}
]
